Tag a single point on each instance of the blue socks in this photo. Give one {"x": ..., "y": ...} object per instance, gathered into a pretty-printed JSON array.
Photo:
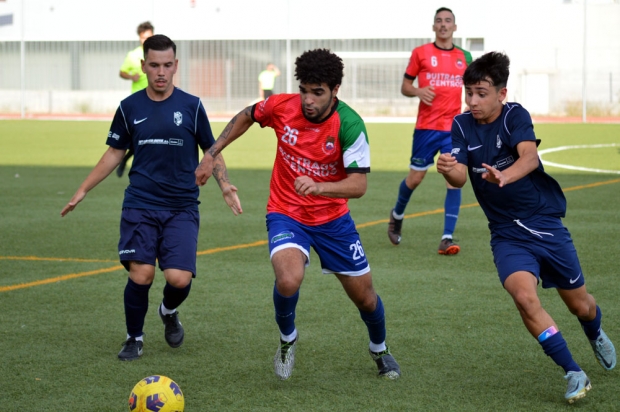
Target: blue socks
[
  {"x": 404, "y": 194},
  {"x": 173, "y": 297},
  {"x": 555, "y": 347},
  {"x": 592, "y": 328},
  {"x": 452, "y": 205},
  {"x": 375, "y": 322},
  {"x": 285, "y": 311},
  {"x": 136, "y": 305}
]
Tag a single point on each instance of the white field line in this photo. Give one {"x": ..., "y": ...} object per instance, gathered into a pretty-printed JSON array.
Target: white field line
[{"x": 570, "y": 167}]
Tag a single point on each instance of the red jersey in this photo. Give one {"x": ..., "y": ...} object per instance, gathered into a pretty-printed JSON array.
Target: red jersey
[
  {"x": 325, "y": 151},
  {"x": 443, "y": 70}
]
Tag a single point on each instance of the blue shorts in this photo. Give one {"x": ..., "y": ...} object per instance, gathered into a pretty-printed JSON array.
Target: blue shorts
[
  {"x": 426, "y": 144},
  {"x": 337, "y": 243},
  {"x": 542, "y": 246},
  {"x": 168, "y": 236}
]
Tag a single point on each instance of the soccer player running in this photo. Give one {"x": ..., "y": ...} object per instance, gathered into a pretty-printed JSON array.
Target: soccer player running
[
  {"x": 132, "y": 70},
  {"x": 322, "y": 160},
  {"x": 494, "y": 143},
  {"x": 160, "y": 218},
  {"x": 438, "y": 66}
]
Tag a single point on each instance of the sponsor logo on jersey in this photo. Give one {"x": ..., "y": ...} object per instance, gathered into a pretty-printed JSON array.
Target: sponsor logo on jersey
[
  {"x": 503, "y": 163},
  {"x": 168, "y": 142},
  {"x": 499, "y": 142},
  {"x": 178, "y": 118},
  {"x": 139, "y": 121},
  {"x": 329, "y": 145},
  {"x": 499, "y": 165},
  {"x": 126, "y": 251},
  {"x": 307, "y": 166},
  {"x": 282, "y": 236},
  {"x": 455, "y": 151},
  {"x": 444, "y": 79},
  {"x": 113, "y": 135}
]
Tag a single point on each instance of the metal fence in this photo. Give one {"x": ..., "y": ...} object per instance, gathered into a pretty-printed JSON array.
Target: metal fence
[{"x": 71, "y": 77}]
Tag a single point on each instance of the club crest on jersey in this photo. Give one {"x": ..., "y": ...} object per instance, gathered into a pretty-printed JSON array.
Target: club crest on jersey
[
  {"x": 178, "y": 118},
  {"x": 459, "y": 63},
  {"x": 499, "y": 142},
  {"x": 329, "y": 145}
]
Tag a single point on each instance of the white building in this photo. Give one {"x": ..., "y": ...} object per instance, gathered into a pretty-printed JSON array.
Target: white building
[{"x": 70, "y": 50}]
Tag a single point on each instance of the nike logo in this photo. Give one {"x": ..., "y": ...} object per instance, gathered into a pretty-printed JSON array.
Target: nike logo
[
  {"x": 139, "y": 121},
  {"x": 574, "y": 280},
  {"x": 608, "y": 365},
  {"x": 473, "y": 148}
]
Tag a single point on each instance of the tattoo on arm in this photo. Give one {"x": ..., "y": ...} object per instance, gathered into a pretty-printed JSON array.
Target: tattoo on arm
[
  {"x": 219, "y": 171},
  {"x": 226, "y": 132}
]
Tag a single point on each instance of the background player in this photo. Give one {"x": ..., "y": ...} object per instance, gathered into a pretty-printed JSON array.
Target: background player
[
  {"x": 160, "y": 219},
  {"x": 438, "y": 67},
  {"x": 132, "y": 70},
  {"x": 267, "y": 80},
  {"x": 322, "y": 160},
  {"x": 495, "y": 144}
]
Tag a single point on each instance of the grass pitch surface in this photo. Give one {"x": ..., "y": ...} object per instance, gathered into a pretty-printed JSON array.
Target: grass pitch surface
[{"x": 454, "y": 330}]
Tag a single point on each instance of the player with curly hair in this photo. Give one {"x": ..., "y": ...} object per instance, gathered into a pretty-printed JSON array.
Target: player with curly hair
[{"x": 322, "y": 160}]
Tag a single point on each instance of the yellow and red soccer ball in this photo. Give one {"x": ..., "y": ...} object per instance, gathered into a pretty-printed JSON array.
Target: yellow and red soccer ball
[{"x": 156, "y": 393}]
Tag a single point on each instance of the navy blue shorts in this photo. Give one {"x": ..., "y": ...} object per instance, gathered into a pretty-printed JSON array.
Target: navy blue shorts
[
  {"x": 426, "y": 144},
  {"x": 337, "y": 243},
  {"x": 542, "y": 246},
  {"x": 168, "y": 236}
]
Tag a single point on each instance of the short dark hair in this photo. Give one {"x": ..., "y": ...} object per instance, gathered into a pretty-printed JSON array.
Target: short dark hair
[
  {"x": 158, "y": 42},
  {"x": 146, "y": 26},
  {"x": 319, "y": 66},
  {"x": 439, "y": 10},
  {"x": 492, "y": 67}
]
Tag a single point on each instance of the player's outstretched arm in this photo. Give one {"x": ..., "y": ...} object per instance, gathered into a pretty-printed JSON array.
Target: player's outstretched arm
[
  {"x": 454, "y": 172},
  {"x": 108, "y": 162},
  {"x": 237, "y": 126},
  {"x": 527, "y": 162},
  {"x": 220, "y": 173},
  {"x": 352, "y": 186}
]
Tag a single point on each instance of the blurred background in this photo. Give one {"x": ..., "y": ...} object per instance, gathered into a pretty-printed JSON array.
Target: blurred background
[{"x": 62, "y": 57}]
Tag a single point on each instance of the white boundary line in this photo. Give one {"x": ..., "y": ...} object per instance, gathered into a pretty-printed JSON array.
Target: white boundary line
[{"x": 584, "y": 169}]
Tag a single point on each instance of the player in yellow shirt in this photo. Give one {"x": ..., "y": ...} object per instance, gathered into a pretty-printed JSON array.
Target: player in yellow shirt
[
  {"x": 267, "y": 80},
  {"x": 132, "y": 70}
]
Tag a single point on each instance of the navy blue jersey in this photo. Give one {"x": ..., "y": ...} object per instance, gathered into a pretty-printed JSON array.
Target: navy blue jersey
[
  {"x": 165, "y": 137},
  {"x": 495, "y": 144}
]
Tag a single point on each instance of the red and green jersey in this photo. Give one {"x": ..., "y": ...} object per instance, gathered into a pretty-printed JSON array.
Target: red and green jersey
[
  {"x": 443, "y": 70},
  {"x": 325, "y": 151}
]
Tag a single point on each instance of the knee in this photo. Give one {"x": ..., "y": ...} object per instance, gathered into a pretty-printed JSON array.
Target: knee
[
  {"x": 178, "y": 278},
  {"x": 366, "y": 303},
  {"x": 414, "y": 180},
  {"x": 287, "y": 287},
  {"x": 584, "y": 309},
  {"x": 526, "y": 302},
  {"x": 179, "y": 282}
]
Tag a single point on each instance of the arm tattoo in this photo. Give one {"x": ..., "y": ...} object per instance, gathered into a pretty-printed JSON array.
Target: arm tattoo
[
  {"x": 226, "y": 132},
  {"x": 219, "y": 171}
]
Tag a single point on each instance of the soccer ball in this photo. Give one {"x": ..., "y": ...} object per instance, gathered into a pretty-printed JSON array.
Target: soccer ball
[{"x": 156, "y": 393}]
